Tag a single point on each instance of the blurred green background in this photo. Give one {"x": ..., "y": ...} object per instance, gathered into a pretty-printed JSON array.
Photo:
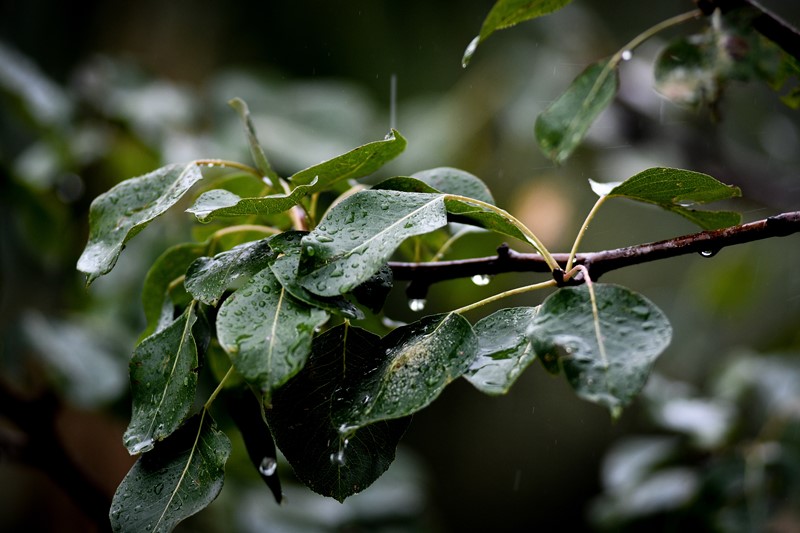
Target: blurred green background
[{"x": 96, "y": 92}]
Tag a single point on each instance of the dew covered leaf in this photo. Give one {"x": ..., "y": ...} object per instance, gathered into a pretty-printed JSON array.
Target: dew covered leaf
[
  {"x": 267, "y": 332},
  {"x": 507, "y": 13},
  {"x": 117, "y": 215},
  {"x": 355, "y": 164},
  {"x": 329, "y": 461},
  {"x": 163, "y": 372},
  {"x": 563, "y": 125},
  {"x": 223, "y": 203},
  {"x": 259, "y": 157},
  {"x": 373, "y": 293},
  {"x": 419, "y": 361},
  {"x": 207, "y": 278},
  {"x": 285, "y": 267},
  {"x": 170, "y": 266},
  {"x": 179, "y": 478},
  {"x": 677, "y": 190},
  {"x": 358, "y": 235},
  {"x": 606, "y": 362},
  {"x": 504, "y": 349}
]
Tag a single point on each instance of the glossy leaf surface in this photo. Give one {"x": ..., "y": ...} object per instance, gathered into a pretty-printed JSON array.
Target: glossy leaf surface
[
  {"x": 266, "y": 332},
  {"x": 223, "y": 203},
  {"x": 163, "y": 374},
  {"x": 117, "y": 215},
  {"x": 329, "y": 461},
  {"x": 606, "y": 361},
  {"x": 563, "y": 125},
  {"x": 180, "y": 477},
  {"x": 504, "y": 349}
]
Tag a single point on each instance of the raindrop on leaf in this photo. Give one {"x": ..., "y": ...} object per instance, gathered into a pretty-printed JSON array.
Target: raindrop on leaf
[
  {"x": 268, "y": 466},
  {"x": 417, "y": 304}
]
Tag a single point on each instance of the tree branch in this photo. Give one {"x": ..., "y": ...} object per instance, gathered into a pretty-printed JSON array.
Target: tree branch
[{"x": 423, "y": 275}]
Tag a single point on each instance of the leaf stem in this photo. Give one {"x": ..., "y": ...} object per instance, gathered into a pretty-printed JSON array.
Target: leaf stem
[
  {"x": 582, "y": 232},
  {"x": 653, "y": 30},
  {"x": 595, "y": 313},
  {"x": 228, "y": 164},
  {"x": 219, "y": 388},
  {"x": 512, "y": 292}
]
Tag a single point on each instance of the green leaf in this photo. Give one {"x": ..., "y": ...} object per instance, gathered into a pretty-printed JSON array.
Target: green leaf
[
  {"x": 563, "y": 125},
  {"x": 677, "y": 190},
  {"x": 373, "y": 292},
  {"x": 118, "y": 215},
  {"x": 223, "y": 203},
  {"x": 266, "y": 332},
  {"x": 360, "y": 234},
  {"x": 607, "y": 361},
  {"x": 170, "y": 266},
  {"x": 163, "y": 373},
  {"x": 356, "y": 163},
  {"x": 207, "y": 278},
  {"x": 507, "y": 13},
  {"x": 259, "y": 157},
  {"x": 692, "y": 70},
  {"x": 180, "y": 477},
  {"x": 285, "y": 269},
  {"x": 331, "y": 462},
  {"x": 504, "y": 349},
  {"x": 420, "y": 360},
  {"x": 455, "y": 181}
]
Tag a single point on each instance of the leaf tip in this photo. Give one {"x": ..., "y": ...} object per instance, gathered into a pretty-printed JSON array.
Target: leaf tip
[{"x": 470, "y": 51}]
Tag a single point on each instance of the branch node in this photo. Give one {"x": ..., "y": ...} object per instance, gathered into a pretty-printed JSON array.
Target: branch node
[{"x": 503, "y": 251}]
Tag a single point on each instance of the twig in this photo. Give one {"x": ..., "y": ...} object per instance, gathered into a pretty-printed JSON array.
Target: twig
[{"x": 423, "y": 275}]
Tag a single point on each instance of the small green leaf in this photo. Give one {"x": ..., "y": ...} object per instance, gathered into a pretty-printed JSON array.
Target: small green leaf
[
  {"x": 180, "y": 477},
  {"x": 359, "y": 235},
  {"x": 163, "y": 373},
  {"x": 420, "y": 360},
  {"x": 677, "y": 190},
  {"x": 455, "y": 181},
  {"x": 266, "y": 332},
  {"x": 355, "y": 164},
  {"x": 606, "y": 361},
  {"x": 504, "y": 349},
  {"x": 259, "y": 157},
  {"x": 170, "y": 266},
  {"x": 207, "y": 278},
  {"x": 563, "y": 125},
  {"x": 223, "y": 203},
  {"x": 332, "y": 462},
  {"x": 285, "y": 269},
  {"x": 118, "y": 215},
  {"x": 507, "y": 13}
]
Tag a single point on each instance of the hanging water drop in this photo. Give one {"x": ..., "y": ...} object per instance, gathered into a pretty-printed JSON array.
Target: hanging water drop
[
  {"x": 481, "y": 280},
  {"x": 338, "y": 458},
  {"x": 709, "y": 253},
  {"x": 417, "y": 304},
  {"x": 268, "y": 466},
  {"x": 626, "y": 55}
]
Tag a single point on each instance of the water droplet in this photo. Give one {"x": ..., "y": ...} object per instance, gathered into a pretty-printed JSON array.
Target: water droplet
[
  {"x": 709, "y": 253},
  {"x": 142, "y": 447},
  {"x": 158, "y": 488},
  {"x": 268, "y": 466},
  {"x": 473, "y": 45},
  {"x": 337, "y": 458},
  {"x": 481, "y": 280},
  {"x": 417, "y": 304},
  {"x": 626, "y": 55}
]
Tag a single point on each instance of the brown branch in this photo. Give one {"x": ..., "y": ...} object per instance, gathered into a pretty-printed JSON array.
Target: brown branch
[{"x": 423, "y": 275}]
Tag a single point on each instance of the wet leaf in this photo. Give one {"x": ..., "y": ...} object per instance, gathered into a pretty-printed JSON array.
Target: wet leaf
[
  {"x": 259, "y": 157},
  {"x": 677, "y": 190},
  {"x": 163, "y": 373},
  {"x": 607, "y": 362},
  {"x": 455, "y": 181},
  {"x": 118, "y": 215},
  {"x": 373, "y": 292},
  {"x": 360, "y": 234},
  {"x": 504, "y": 349},
  {"x": 207, "y": 278},
  {"x": 563, "y": 125},
  {"x": 266, "y": 332},
  {"x": 420, "y": 360},
  {"x": 331, "y": 462},
  {"x": 507, "y": 13},
  {"x": 223, "y": 203},
  {"x": 180, "y": 477}
]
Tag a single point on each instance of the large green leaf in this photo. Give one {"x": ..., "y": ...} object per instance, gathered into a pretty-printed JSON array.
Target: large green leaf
[
  {"x": 563, "y": 125},
  {"x": 677, "y": 190},
  {"x": 504, "y": 349},
  {"x": 455, "y": 181},
  {"x": 359, "y": 235},
  {"x": 259, "y": 157},
  {"x": 507, "y": 13},
  {"x": 180, "y": 477},
  {"x": 223, "y": 203},
  {"x": 333, "y": 462},
  {"x": 168, "y": 268},
  {"x": 163, "y": 373},
  {"x": 207, "y": 278},
  {"x": 285, "y": 269},
  {"x": 356, "y": 163},
  {"x": 266, "y": 332},
  {"x": 420, "y": 360},
  {"x": 118, "y": 215},
  {"x": 606, "y": 360}
]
